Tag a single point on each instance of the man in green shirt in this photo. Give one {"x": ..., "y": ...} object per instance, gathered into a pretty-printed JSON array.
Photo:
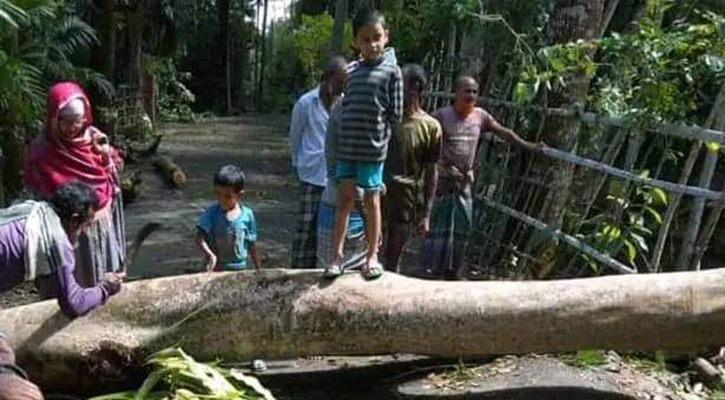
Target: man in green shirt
[{"x": 410, "y": 169}]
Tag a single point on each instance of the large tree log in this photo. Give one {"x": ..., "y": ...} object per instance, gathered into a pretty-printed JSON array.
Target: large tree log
[
  {"x": 278, "y": 313},
  {"x": 171, "y": 172}
]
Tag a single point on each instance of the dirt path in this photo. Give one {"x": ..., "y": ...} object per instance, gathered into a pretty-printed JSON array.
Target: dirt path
[{"x": 259, "y": 145}]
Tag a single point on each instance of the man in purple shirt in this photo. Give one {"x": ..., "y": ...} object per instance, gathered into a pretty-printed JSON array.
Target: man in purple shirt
[{"x": 36, "y": 244}]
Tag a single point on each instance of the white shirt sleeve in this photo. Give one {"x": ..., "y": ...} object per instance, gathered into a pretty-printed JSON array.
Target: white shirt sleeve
[{"x": 297, "y": 127}]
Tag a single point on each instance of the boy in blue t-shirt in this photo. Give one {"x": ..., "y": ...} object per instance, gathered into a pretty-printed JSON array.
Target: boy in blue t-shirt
[{"x": 227, "y": 231}]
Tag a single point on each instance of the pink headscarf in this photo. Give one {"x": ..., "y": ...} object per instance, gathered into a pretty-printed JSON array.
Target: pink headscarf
[{"x": 54, "y": 160}]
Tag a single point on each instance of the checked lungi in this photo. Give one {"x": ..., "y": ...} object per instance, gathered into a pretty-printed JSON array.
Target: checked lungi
[
  {"x": 304, "y": 244},
  {"x": 355, "y": 245},
  {"x": 444, "y": 248}
]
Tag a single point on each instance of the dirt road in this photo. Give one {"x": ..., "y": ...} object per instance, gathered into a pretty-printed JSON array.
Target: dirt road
[{"x": 259, "y": 145}]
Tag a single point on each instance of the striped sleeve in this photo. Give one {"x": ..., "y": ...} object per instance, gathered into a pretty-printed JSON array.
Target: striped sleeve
[{"x": 395, "y": 90}]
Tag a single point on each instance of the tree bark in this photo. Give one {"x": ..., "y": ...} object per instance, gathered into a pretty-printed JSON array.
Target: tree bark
[
  {"x": 171, "y": 172},
  {"x": 257, "y": 46},
  {"x": 134, "y": 29},
  {"x": 338, "y": 29},
  {"x": 223, "y": 16},
  {"x": 285, "y": 313},
  {"x": 572, "y": 20},
  {"x": 243, "y": 72},
  {"x": 104, "y": 55},
  {"x": 263, "y": 57}
]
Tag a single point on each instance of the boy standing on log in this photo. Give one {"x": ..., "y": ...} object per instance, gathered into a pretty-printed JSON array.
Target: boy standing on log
[
  {"x": 372, "y": 106},
  {"x": 227, "y": 231}
]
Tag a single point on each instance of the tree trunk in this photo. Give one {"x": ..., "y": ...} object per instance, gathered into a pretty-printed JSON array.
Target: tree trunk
[
  {"x": 572, "y": 20},
  {"x": 257, "y": 46},
  {"x": 224, "y": 41},
  {"x": 338, "y": 29},
  {"x": 134, "y": 29},
  {"x": 171, "y": 172},
  {"x": 285, "y": 313},
  {"x": 104, "y": 55},
  {"x": 242, "y": 78},
  {"x": 263, "y": 57}
]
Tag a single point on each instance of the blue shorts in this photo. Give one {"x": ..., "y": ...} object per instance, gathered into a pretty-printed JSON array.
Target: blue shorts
[{"x": 367, "y": 175}]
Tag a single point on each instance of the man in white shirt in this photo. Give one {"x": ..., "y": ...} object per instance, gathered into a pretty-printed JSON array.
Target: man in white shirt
[{"x": 307, "y": 135}]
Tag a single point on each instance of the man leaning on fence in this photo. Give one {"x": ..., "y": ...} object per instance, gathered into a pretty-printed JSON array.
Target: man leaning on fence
[{"x": 444, "y": 248}]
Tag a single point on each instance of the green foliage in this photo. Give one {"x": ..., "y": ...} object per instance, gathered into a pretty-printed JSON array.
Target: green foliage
[
  {"x": 48, "y": 35},
  {"x": 175, "y": 99},
  {"x": 175, "y": 375},
  {"x": 585, "y": 358},
  {"x": 420, "y": 27},
  {"x": 655, "y": 362},
  {"x": 311, "y": 41},
  {"x": 627, "y": 225},
  {"x": 10, "y": 14},
  {"x": 658, "y": 74},
  {"x": 555, "y": 64},
  {"x": 301, "y": 52},
  {"x": 717, "y": 395}
]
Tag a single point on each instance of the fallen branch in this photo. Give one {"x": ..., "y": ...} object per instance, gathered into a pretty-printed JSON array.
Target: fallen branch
[{"x": 171, "y": 172}]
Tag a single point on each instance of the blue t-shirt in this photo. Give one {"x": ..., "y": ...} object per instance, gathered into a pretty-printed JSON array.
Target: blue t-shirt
[{"x": 229, "y": 240}]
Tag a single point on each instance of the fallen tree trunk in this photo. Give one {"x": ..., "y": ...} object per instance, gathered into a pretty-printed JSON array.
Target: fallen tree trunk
[
  {"x": 281, "y": 313},
  {"x": 171, "y": 172}
]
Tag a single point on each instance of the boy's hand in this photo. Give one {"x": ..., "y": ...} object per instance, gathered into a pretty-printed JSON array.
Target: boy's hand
[{"x": 211, "y": 264}]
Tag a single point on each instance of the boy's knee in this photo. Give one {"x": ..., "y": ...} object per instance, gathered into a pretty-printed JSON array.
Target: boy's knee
[
  {"x": 346, "y": 197},
  {"x": 372, "y": 198}
]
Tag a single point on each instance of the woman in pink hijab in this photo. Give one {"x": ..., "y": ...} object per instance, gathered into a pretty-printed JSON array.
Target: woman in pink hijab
[{"x": 70, "y": 148}]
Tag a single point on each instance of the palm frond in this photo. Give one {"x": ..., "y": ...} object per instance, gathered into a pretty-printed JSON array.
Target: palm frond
[
  {"x": 36, "y": 9},
  {"x": 100, "y": 82},
  {"x": 22, "y": 97},
  {"x": 70, "y": 35},
  {"x": 10, "y": 14}
]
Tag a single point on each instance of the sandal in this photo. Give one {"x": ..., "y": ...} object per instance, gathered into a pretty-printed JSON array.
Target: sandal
[
  {"x": 371, "y": 273},
  {"x": 332, "y": 272}
]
